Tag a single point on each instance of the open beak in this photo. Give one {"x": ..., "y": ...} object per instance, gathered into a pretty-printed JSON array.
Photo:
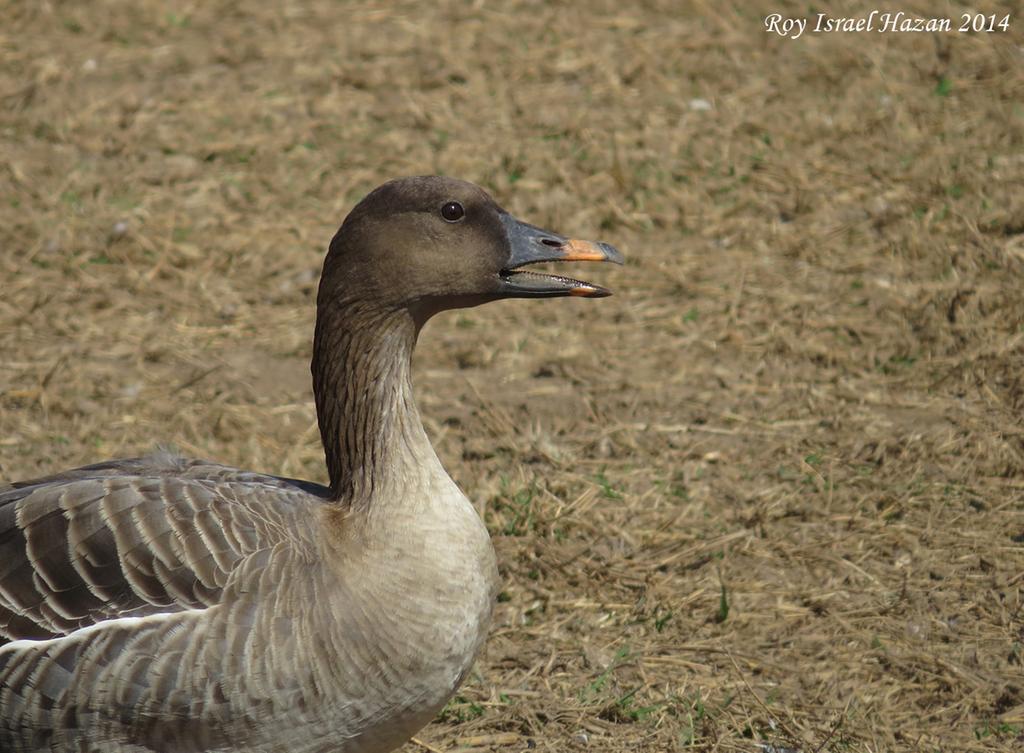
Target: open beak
[{"x": 531, "y": 245}]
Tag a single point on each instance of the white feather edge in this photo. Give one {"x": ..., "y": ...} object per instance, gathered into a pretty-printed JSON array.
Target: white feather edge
[{"x": 81, "y": 633}]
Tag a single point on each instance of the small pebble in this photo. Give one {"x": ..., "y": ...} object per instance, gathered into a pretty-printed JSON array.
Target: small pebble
[{"x": 131, "y": 390}]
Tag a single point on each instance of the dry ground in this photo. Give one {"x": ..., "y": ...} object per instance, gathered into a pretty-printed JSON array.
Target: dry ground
[{"x": 770, "y": 494}]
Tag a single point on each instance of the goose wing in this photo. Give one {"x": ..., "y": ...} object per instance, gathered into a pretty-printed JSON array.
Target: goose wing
[
  {"x": 133, "y": 538},
  {"x": 112, "y": 580}
]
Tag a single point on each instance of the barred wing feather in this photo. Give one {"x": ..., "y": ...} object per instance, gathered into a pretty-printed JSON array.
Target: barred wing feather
[{"x": 116, "y": 578}]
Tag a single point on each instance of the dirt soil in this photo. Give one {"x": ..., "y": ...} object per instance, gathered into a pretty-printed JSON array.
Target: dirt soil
[{"x": 768, "y": 497}]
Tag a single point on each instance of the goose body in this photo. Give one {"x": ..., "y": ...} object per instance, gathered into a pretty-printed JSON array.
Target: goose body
[{"x": 176, "y": 605}]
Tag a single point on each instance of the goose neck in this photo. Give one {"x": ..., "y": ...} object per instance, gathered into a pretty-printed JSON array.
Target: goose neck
[{"x": 362, "y": 380}]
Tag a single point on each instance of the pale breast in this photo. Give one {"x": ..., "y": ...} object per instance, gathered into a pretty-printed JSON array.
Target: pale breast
[{"x": 396, "y": 625}]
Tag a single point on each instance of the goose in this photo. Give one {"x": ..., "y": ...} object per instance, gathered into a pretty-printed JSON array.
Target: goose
[{"x": 177, "y": 605}]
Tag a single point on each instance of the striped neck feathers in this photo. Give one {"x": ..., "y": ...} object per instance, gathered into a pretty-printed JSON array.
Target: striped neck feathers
[{"x": 371, "y": 430}]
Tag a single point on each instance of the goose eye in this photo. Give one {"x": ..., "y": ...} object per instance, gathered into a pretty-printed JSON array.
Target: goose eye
[{"x": 453, "y": 211}]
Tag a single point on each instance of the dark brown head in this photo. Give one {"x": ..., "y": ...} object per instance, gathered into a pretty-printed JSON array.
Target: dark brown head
[{"x": 432, "y": 243}]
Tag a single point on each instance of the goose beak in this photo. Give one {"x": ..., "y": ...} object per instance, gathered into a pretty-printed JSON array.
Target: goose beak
[{"x": 532, "y": 245}]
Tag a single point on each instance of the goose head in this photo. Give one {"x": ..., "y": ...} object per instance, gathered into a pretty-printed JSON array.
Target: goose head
[{"x": 432, "y": 243}]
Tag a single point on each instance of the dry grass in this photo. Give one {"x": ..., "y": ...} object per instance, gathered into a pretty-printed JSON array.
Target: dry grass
[{"x": 771, "y": 494}]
